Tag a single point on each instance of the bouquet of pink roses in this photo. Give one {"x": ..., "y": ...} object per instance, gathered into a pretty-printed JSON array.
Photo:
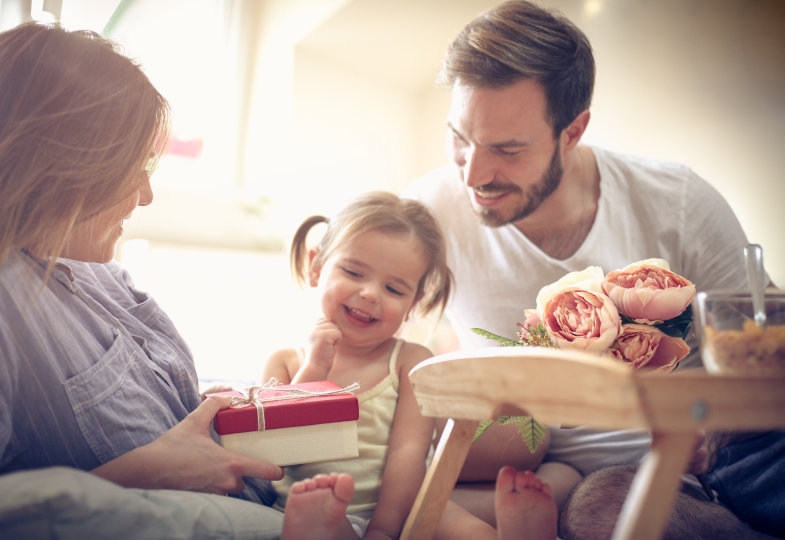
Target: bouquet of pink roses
[{"x": 638, "y": 315}]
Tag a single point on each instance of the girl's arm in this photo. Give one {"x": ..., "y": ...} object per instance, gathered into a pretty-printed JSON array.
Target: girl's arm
[
  {"x": 320, "y": 353},
  {"x": 410, "y": 440},
  {"x": 287, "y": 366}
]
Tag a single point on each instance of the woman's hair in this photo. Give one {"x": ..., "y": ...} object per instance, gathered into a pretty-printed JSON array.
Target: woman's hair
[
  {"x": 519, "y": 40},
  {"x": 390, "y": 214},
  {"x": 80, "y": 126}
]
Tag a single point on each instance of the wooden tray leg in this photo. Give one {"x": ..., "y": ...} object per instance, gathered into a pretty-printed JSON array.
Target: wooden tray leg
[
  {"x": 650, "y": 501},
  {"x": 439, "y": 480}
]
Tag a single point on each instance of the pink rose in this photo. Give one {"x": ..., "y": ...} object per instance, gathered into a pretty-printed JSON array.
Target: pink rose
[
  {"x": 532, "y": 318},
  {"x": 648, "y": 292},
  {"x": 647, "y": 347},
  {"x": 580, "y": 319}
]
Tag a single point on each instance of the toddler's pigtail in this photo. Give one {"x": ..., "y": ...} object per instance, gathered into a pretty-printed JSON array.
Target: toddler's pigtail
[{"x": 298, "y": 254}]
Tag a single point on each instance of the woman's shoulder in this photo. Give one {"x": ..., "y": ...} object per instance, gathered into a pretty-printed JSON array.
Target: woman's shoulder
[{"x": 16, "y": 269}]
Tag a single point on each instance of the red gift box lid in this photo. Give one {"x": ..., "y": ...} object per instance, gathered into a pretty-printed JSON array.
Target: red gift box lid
[{"x": 300, "y": 411}]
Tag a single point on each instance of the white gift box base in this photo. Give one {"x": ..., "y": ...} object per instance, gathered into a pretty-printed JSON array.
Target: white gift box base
[{"x": 297, "y": 445}]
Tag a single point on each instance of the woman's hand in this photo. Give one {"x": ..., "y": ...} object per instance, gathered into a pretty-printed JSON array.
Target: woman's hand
[
  {"x": 320, "y": 353},
  {"x": 187, "y": 458}
]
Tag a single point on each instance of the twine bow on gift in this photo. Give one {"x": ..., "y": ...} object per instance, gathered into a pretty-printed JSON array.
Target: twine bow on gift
[{"x": 253, "y": 397}]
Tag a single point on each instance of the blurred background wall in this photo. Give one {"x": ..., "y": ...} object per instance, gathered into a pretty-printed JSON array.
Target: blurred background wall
[{"x": 286, "y": 108}]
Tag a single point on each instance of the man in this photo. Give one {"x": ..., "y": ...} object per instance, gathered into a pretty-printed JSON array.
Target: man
[{"x": 524, "y": 203}]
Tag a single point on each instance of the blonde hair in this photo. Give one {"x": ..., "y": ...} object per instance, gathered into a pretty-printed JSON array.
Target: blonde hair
[
  {"x": 80, "y": 125},
  {"x": 388, "y": 213}
]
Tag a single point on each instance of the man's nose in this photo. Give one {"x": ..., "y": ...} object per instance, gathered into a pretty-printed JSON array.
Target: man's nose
[{"x": 477, "y": 169}]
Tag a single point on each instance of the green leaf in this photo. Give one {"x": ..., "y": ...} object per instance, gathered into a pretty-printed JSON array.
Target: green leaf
[
  {"x": 481, "y": 429},
  {"x": 678, "y": 326},
  {"x": 499, "y": 339},
  {"x": 532, "y": 432},
  {"x": 535, "y": 336}
]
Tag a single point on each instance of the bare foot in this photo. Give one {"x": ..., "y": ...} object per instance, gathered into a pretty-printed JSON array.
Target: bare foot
[
  {"x": 524, "y": 506},
  {"x": 316, "y": 508}
]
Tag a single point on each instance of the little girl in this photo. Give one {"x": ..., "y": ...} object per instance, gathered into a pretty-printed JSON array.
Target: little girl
[{"x": 379, "y": 259}]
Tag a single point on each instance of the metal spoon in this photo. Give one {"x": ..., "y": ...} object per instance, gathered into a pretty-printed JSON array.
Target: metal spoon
[{"x": 753, "y": 258}]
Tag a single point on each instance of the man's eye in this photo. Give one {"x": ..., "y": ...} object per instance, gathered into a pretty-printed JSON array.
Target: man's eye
[
  {"x": 508, "y": 151},
  {"x": 457, "y": 139}
]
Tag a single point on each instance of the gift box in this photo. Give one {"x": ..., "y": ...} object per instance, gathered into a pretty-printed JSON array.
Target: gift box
[{"x": 291, "y": 424}]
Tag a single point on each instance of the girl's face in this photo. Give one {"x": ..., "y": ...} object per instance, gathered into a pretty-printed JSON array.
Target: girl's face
[
  {"x": 94, "y": 239},
  {"x": 369, "y": 285}
]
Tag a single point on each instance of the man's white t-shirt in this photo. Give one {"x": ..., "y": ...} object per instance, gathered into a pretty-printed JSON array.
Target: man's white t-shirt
[{"x": 646, "y": 209}]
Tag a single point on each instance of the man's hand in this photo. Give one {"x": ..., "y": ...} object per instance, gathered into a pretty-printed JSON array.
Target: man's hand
[
  {"x": 703, "y": 455},
  {"x": 187, "y": 458}
]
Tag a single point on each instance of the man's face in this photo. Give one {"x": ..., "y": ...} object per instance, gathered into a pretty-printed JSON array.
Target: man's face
[{"x": 504, "y": 148}]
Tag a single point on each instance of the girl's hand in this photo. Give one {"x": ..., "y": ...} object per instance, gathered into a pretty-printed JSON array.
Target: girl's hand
[
  {"x": 187, "y": 458},
  {"x": 320, "y": 352}
]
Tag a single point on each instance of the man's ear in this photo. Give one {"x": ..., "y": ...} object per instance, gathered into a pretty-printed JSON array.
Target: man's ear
[
  {"x": 571, "y": 135},
  {"x": 314, "y": 269}
]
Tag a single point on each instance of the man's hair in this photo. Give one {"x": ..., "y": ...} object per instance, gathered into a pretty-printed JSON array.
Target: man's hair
[
  {"x": 80, "y": 125},
  {"x": 390, "y": 214},
  {"x": 519, "y": 40}
]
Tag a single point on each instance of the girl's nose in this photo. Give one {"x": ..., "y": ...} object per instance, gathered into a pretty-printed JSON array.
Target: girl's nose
[{"x": 369, "y": 292}]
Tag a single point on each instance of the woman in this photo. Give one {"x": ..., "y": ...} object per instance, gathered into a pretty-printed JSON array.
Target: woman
[{"x": 93, "y": 375}]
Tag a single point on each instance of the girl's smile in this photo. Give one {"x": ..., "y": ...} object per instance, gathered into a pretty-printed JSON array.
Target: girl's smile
[
  {"x": 370, "y": 284},
  {"x": 359, "y": 317}
]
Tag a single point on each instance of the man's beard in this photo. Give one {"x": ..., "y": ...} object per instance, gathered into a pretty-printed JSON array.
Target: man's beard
[{"x": 535, "y": 195}]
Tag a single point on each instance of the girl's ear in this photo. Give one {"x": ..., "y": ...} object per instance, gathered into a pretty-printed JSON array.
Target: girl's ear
[{"x": 314, "y": 270}]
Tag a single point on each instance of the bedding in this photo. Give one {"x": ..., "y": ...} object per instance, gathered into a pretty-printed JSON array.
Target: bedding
[{"x": 66, "y": 503}]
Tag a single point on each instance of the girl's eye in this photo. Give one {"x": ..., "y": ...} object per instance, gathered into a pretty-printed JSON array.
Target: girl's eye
[
  {"x": 394, "y": 291},
  {"x": 350, "y": 272}
]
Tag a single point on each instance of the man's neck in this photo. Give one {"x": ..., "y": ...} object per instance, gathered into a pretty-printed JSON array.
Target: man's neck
[{"x": 560, "y": 225}]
